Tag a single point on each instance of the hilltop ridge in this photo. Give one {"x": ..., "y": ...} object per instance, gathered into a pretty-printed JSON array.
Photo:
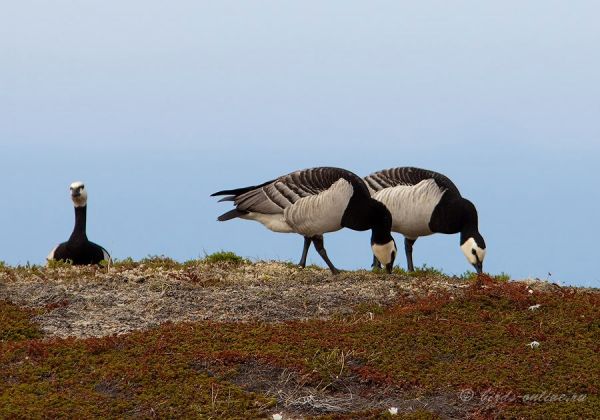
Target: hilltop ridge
[{"x": 227, "y": 338}]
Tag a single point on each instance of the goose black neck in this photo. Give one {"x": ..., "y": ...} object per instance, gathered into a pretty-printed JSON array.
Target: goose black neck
[
  {"x": 380, "y": 235},
  {"x": 470, "y": 222},
  {"x": 80, "y": 220},
  {"x": 381, "y": 223},
  {"x": 465, "y": 234},
  {"x": 472, "y": 232}
]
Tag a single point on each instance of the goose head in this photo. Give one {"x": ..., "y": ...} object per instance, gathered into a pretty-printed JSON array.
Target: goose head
[
  {"x": 471, "y": 241},
  {"x": 78, "y": 194},
  {"x": 473, "y": 246},
  {"x": 382, "y": 243},
  {"x": 385, "y": 254}
]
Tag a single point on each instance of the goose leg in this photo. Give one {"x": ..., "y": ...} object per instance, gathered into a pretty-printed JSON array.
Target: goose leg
[
  {"x": 318, "y": 241},
  {"x": 408, "y": 248},
  {"x": 307, "y": 242},
  {"x": 376, "y": 263}
]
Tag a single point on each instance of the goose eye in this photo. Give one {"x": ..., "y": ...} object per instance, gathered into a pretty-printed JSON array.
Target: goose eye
[{"x": 474, "y": 252}]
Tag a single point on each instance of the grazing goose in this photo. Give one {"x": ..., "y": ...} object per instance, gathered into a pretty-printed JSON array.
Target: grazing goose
[
  {"x": 78, "y": 249},
  {"x": 423, "y": 202},
  {"x": 312, "y": 202}
]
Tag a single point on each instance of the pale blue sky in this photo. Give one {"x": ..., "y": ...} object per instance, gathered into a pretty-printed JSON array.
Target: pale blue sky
[{"x": 154, "y": 105}]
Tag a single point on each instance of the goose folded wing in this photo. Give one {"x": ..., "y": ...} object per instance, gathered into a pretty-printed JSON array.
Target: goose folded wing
[
  {"x": 284, "y": 191},
  {"x": 316, "y": 180},
  {"x": 393, "y": 177}
]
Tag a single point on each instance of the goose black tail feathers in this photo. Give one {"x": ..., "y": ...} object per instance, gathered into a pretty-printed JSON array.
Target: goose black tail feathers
[
  {"x": 228, "y": 198},
  {"x": 231, "y": 214},
  {"x": 238, "y": 191}
]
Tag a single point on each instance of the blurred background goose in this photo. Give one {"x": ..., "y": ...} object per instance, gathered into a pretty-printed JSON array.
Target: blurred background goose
[{"x": 78, "y": 249}]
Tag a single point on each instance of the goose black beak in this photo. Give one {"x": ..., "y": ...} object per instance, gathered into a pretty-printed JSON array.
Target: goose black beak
[
  {"x": 389, "y": 267},
  {"x": 479, "y": 267}
]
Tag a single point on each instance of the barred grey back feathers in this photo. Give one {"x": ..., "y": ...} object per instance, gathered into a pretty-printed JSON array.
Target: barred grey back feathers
[
  {"x": 392, "y": 177},
  {"x": 273, "y": 197}
]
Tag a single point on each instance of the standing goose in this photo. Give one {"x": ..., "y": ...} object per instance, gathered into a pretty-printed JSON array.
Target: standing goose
[
  {"x": 423, "y": 202},
  {"x": 312, "y": 202},
  {"x": 78, "y": 249}
]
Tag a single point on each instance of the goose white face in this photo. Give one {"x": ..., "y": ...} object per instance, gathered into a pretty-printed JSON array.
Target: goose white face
[
  {"x": 78, "y": 194},
  {"x": 385, "y": 254},
  {"x": 475, "y": 255}
]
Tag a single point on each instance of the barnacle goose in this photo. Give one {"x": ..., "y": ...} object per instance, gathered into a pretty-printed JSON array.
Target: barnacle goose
[
  {"x": 423, "y": 202},
  {"x": 312, "y": 202},
  {"x": 78, "y": 249}
]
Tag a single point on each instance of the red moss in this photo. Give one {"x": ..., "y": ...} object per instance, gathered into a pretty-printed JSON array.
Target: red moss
[{"x": 478, "y": 341}]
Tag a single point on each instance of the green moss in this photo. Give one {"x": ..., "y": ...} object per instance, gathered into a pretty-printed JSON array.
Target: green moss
[
  {"x": 289, "y": 264},
  {"x": 152, "y": 262},
  {"x": 397, "y": 270},
  {"x": 224, "y": 257},
  {"x": 116, "y": 377},
  {"x": 369, "y": 309},
  {"x": 16, "y": 324},
  {"x": 160, "y": 261},
  {"x": 59, "y": 263},
  {"x": 423, "y": 271},
  {"x": 586, "y": 409},
  {"x": 473, "y": 276},
  {"x": 125, "y": 263},
  {"x": 503, "y": 277}
]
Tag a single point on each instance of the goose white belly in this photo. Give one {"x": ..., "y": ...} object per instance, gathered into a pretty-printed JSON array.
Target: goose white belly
[
  {"x": 411, "y": 206},
  {"x": 275, "y": 222}
]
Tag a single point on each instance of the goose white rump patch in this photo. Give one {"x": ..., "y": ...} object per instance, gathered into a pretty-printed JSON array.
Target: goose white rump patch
[{"x": 411, "y": 206}]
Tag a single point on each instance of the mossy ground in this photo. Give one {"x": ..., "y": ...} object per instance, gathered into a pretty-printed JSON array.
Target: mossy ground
[
  {"x": 443, "y": 355},
  {"x": 15, "y": 323}
]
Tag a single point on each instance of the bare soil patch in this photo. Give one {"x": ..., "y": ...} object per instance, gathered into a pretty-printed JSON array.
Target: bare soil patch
[{"x": 298, "y": 396}]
